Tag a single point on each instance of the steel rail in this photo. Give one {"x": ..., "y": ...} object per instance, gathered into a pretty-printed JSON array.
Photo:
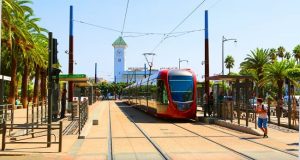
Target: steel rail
[
  {"x": 230, "y": 149},
  {"x": 254, "y": 142},
  {"x": 156, "y": 146},
  {"x": 109, "y": 140}
]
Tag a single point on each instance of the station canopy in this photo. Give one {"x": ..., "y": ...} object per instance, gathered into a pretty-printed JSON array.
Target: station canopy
[
  {"x": 230, "y": 77},
  {"x": 80, "y": 80}
]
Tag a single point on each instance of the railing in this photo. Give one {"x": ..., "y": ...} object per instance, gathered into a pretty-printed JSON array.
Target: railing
[
  {"x": 26, "y": 126},
  {"x": 83, "y": 115},
  {"x": 37, "y": 117}
]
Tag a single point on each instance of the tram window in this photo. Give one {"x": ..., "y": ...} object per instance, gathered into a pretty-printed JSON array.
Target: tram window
[{"x": 162, "y": 95}]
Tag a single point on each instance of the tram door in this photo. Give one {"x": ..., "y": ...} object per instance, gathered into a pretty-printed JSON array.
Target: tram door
[{"x": 162, "y": 97}]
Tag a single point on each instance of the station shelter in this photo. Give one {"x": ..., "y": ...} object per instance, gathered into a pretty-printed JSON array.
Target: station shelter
[
  {"x": 83, "y": 89},
  {"x": 229, "y": 99}
]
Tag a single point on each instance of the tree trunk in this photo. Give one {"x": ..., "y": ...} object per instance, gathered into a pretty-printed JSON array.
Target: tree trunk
[
  {"x": 13, "y": 74},
  {"x": 24, "y": 96},
  {"x": 36, "y": 84},
  {"x": 279, "y": 101},
  {"x": 260, "y": 77}
]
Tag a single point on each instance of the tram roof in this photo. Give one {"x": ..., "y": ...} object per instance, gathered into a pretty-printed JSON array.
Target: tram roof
[{"x": 230, "y": 77}]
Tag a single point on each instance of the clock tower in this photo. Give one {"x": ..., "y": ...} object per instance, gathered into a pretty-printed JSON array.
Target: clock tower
[{"x": 119, "y": 59}]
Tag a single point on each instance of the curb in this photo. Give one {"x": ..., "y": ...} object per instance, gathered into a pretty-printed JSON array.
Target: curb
[
  {"x": 237, "y": 127},
  {"x": 233, "y": 126}
]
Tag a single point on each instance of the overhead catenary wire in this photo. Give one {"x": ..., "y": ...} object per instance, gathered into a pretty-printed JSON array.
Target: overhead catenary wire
[
  {"x": 214, "y": 4},
  {"x": 177, "y": 26},
  {"x": 125, "y": 18},
  {"x": 98, "y": 26},
  {"x": 139, "y": 34}
]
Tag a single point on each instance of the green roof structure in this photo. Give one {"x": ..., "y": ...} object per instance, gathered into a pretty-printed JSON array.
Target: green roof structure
[{"x": 119, "y": 42}]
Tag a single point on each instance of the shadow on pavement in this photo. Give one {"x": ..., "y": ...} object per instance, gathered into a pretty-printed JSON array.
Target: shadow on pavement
[{"x": 293, "y": 144}]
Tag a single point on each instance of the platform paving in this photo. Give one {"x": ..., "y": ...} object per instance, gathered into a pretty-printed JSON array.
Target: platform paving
[{"x": 129, "y": 143}]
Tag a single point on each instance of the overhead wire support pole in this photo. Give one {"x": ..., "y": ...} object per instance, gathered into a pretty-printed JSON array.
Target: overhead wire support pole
[
  {"x": 50, "y": 86},
  {"x": 206, "y": 47},
  {"x": 71, "y": 60}
]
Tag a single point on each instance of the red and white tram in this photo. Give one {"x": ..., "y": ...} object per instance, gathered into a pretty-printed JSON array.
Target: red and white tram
[{"x": 170, "y": 93}]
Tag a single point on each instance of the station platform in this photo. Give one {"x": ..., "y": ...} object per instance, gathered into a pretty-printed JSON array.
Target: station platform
[{"x": 117, "y": 136}]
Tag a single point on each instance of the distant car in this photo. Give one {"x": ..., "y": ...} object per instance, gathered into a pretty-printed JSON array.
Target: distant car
[{"x": 111, "y": 97}]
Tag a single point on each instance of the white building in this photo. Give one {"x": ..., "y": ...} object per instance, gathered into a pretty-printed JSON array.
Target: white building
[{"x": 132, "y": 74}]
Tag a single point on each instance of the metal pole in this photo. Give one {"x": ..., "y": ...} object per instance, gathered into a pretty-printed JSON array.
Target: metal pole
[
  {"x": 145, "y": 69},
  {"x": 27, "y": 118},
  {"x": 50, "y": 86},
  {"x": 71, "y": 57},
  {"x": 96, "y": 73},
  {"x": 3, "y": 134},
  {"x": 60, "y": 137},
  {"x": 206, "y": 46},
  {"x": 179, "y": 63},
  {"x": 223, "y": 38},
  {"x": 32, "y": 119}
]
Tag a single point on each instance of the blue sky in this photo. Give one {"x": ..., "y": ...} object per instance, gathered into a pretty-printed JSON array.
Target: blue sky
[{"x": 255, "y": 23}]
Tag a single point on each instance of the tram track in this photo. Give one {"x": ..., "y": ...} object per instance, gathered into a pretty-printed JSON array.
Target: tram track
[
  {"x": 234, "y": 150},
  {"x": 163, "y": 154},
  {"x": 219, "y": 144},
  {"x": 230, "y": 134},
  {"x": 109, "y": 140},
  {"x": 249, "y": 140},
  {"x": 110, "y": 156},
  {"x": 194, "y": 133}
]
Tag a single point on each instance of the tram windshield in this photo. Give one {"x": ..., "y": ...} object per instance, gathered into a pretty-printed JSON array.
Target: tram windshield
[{"x": 181, "y": 88}]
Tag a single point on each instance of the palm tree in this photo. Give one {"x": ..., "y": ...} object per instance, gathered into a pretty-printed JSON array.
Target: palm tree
[
  {"x": 255, "y": 63},
  {"x": 229, "y": 62},
  {"x": 287, "y": 55},
  {"x": 276, "y": 74},
  {"x": 272, "y": 54},
  {"x": 296, "y": 52},
  {"x": 13, "y": 37},
  {"x": 280, "y": 52},
  {"x": 41, "y": 50},
  {"x": 30, "y": 53}
]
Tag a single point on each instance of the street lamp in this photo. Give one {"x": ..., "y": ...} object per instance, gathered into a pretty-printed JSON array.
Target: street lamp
[
  {"x": 224, "y": 40},
  {"x": 150, "y": 63},
  {"x": 182, "y": 60}
]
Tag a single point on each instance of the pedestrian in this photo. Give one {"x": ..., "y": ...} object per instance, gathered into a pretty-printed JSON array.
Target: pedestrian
[
  {"x": 63, "y": 103},
  {"x": 262, "y": 117}
]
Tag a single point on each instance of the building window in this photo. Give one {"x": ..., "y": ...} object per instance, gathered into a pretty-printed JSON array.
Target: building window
[{"x": 119, "y": 60}]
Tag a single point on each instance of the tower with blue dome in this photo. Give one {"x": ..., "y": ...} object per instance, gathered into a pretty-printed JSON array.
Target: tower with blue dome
[{"x": 119, "y": 59}]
